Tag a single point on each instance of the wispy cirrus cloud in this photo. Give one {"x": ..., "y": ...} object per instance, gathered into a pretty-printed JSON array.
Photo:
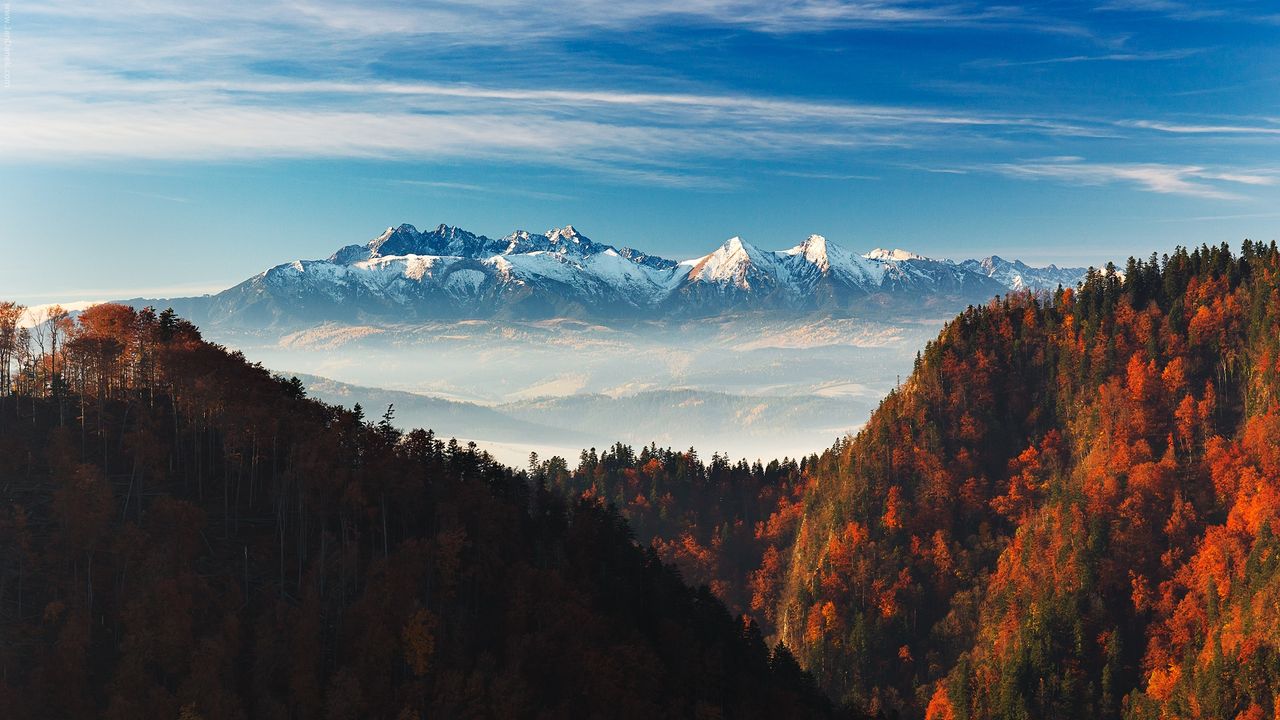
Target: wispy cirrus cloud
[
  {"x": 1119, "y": 57},
  {"x": 503, "y": 19},
  {"x": 1185, "y": 180},
  {"x": 1174, "y": 9},
  {"x": 826, "y": 175},
  {"x": 240, "y": 80},
  {"x": 174, "y": 80},
  {"x": 473, "y": 188},
  {"x": 1221, "y": 12},
  {"x": 1202, "y": 129},
  {"x": 653, "y": 134}
]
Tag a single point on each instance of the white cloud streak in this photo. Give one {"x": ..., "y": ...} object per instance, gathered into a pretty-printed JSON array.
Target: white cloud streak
[
  {"x": 1180, "y": 129},
  {"x": 660, "y": 132},
  {"x": 1186, "y": 180},
  {"x": 1149, "y": 56},
  {"x": 506, "y": 19}
]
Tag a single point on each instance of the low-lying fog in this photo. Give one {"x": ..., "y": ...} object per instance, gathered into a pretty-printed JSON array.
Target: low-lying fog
[{"x": 747, "y": 388}]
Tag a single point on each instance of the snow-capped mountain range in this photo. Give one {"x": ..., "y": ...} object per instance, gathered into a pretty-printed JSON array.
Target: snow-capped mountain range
[{"x": 405, "y": 275}]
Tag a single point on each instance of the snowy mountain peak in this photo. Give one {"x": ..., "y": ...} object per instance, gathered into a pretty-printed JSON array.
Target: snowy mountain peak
[
  {"x": 814, "y": 250},
  {"x": 736, "y": 262},
  {"x": 1017, "y": 275},
  {"x": 736, "y": 250},
  {"x": 561, "y": 241},
  {"x": 565, "y": 235},
  {"x": 734, "y": 247},
  {"x": 996, "y": 263},
  {"x": 897, "y": 255}
]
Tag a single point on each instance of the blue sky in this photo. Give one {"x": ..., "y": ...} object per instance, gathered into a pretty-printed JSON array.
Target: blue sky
[{"x": 161, "y": 147}]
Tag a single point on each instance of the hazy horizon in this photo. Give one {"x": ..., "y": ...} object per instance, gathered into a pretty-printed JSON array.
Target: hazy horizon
[{"x": 78, "y": 298}]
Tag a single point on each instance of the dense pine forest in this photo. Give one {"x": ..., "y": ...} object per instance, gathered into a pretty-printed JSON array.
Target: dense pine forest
[
  {"x": 184, "y": 535},
  {"x": 1066, "y": 511}
]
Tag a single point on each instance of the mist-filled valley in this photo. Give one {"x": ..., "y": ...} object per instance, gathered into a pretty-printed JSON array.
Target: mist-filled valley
[{"x": 747, "y": 387}]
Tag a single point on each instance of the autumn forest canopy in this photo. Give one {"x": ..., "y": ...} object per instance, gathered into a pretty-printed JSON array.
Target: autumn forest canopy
[{"x": 1068, "y": 510}]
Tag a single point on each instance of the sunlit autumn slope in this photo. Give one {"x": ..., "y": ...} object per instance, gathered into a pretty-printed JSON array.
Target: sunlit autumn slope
[
  {"x": 184, "y": 535},
  {"x": 1065, "y": 512}
]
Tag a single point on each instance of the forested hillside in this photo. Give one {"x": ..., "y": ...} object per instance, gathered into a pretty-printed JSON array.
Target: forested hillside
[
  {"x": 184, "y": 535},
  {"x": 1067, "y": 511},
  {"x": 715, "y": 520}
]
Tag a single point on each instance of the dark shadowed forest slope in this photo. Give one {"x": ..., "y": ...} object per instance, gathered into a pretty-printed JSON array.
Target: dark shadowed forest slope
[
  {"x": 184, "y": 535},
  {"x": 1067, "y": 511}
]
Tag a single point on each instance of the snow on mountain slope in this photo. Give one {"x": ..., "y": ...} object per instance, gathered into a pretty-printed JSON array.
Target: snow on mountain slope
[
  {"x": 648, "y": 285},
  {"x": 814, "y": 250},
  {"x": 734, "y": 263},
  {"x": 1017, "y": 275},
  {"x": 447, "y": 272},
  {"x": 897, "y": 254},
  {"x": 829, "y": 258}
]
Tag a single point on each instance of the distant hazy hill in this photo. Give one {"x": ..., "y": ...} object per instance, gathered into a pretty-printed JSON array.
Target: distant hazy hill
[
  {"x": 449, "y": 418},
  {"x": 751, "y": 426},
  {"x": 709, "y": 420}
]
